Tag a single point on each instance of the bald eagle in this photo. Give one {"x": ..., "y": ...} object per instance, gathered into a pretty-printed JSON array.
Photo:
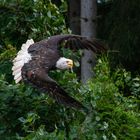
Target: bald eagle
[{"x": 34, "y": 61}]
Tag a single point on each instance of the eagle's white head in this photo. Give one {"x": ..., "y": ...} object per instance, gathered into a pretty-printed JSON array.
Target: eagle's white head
[{"x": 64, "y": 63}]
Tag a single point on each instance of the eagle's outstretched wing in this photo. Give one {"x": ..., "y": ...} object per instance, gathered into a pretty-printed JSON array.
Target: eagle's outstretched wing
[
  {"x": 35, "y": 60},
  {"x": 76, "y": 42},
  {"x": 40, "y": 79}
]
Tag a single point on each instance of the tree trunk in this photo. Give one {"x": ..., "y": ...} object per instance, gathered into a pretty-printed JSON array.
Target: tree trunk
[
  {"x": 74, "y": 16},
  {"x": 88, "y": 29}
]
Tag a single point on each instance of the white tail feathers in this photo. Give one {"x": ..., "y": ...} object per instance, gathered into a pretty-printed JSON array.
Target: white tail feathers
[{"x": 22, "y": 57}]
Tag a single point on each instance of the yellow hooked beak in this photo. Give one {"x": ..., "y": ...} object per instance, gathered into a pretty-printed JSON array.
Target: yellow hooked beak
[{"x": 70, "y": 63}]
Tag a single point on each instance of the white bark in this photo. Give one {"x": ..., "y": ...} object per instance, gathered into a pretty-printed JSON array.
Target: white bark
[{"x": 88, "y": 29}]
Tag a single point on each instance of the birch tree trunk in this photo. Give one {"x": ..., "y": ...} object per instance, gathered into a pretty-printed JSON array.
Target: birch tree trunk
[{"x": 88, "y": 29}]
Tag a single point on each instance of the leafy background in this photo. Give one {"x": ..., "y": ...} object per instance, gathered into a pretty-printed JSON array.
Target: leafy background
[{"x": 112, "y": 96}]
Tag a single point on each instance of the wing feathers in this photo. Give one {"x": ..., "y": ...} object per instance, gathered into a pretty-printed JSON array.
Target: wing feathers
[
  {"x": 76, "y": 42},
  {"x": 90, "y": 45},
  {"x": 63, "y": 98},
  {"x": 43, "y": 82}
]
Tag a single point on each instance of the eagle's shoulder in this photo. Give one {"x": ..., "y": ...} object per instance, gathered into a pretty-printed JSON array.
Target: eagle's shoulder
[
  {"x": 42, "y": 46},
  {"x": 36, "y": 47}
]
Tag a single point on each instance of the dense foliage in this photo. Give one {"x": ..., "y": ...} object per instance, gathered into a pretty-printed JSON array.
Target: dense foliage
[
  {"x": 27, "y": 114},
  {"x": 112, "y": 97},
  {"x": 25, "y": 19}
]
